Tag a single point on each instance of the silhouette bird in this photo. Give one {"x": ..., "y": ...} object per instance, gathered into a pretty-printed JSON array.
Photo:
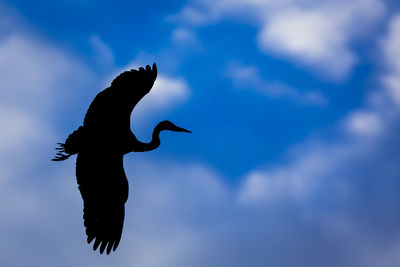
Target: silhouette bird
[{"x": 101, "y": 143}]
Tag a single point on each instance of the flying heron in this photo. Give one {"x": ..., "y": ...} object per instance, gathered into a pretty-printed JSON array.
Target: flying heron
[{"x": 101, "y": 143}]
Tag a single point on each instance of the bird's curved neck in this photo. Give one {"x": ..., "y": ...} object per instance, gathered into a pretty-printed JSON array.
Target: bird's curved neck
[
  {"x": 155, "y": 138},
  {"x": 153, "y": 144}
]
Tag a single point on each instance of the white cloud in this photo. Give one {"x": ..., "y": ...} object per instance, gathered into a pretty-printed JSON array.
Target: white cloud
[
  {"x": 17, "y": 123},
  {"x": 191, "y": 15},
  {"x": 359, "y": 135},
  {"x": 167, "y": 93},
  {"x": 311, "y": 37},
  {"x": 166, "y": 201},
  {"x": 343, "y": 183},
  {"x": 391, "y": 43},
  {"x": 36, "y": 78},
  {"x": 317, "y": 34},
  {"x": 22, "y": 134},
  {"x": 295, "y": 181},
  {"x": 364, "y": 123},
  {"x": 103, "y": 53},
  {"x": 393, "y": 86},
  {"x": 390, "y": 46},
  {"x": 181, "y": 214},
  {"x": 33, "y": 72},
  {"x": 184, "y": 36},
  {"x": 249, "y": 77}
]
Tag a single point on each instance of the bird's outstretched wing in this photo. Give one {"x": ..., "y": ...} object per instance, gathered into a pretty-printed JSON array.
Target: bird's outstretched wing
[
  {"x": 104, "y": 189},
  {"x": 112, "y": 107}
]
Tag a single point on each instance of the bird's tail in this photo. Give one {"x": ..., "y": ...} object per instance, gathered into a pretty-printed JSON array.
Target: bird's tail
[
  {"x": 61, "y": 154},
  {"x": 71, "y": 146}
]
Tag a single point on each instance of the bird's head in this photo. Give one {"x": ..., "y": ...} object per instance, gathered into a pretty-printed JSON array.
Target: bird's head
[
  {"x": 167, "y": 125},
  {"x": 136, "y": 82}
]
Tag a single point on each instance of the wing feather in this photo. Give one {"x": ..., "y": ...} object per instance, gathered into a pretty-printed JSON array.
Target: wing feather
[
  {"x": 104, "y": 189},
  {"x": 114, "y": 105}
]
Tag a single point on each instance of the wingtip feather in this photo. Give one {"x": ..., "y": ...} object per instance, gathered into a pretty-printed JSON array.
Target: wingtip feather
[
  {"x": 96, "y": 243},
  {"x": 154, "y": 69},
  {"x": 103, "y": 246}
]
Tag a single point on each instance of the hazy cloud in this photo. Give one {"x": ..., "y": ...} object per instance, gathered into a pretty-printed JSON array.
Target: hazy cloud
[
  {"x": 316, "y": 34},
  {"x": 331, "y": 203},
  {"x": 360, "y": 130},
  {"x": 103, "y": 53},
  {"x": 167, "y": 93},
  {"x": 390, "y": 46},
  {"x": 185, "y": 36},
  {"x": 249, "y": 77}
]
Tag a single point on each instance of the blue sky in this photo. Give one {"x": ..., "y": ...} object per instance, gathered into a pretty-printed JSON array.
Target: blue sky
[{"x": 294, "y": 108}]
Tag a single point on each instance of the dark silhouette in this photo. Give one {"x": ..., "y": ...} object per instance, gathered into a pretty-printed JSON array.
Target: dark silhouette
[{"x": 101, "y": 143}]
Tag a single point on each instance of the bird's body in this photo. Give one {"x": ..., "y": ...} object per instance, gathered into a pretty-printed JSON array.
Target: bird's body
[{"x": 101, "y": 143}]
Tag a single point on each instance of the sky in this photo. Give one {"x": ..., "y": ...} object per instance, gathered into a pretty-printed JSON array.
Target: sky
[{"x": 294, "y": 107}]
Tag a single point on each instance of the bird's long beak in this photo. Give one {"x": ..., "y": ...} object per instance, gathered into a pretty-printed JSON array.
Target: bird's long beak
[{"x": 179, "y": 129}]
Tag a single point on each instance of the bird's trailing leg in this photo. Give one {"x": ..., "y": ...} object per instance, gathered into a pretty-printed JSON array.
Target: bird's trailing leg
[{"x": 61, "y": 154}]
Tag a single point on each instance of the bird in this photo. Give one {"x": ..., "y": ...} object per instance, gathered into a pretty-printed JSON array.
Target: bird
[{"x": 100, "y": 144}]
